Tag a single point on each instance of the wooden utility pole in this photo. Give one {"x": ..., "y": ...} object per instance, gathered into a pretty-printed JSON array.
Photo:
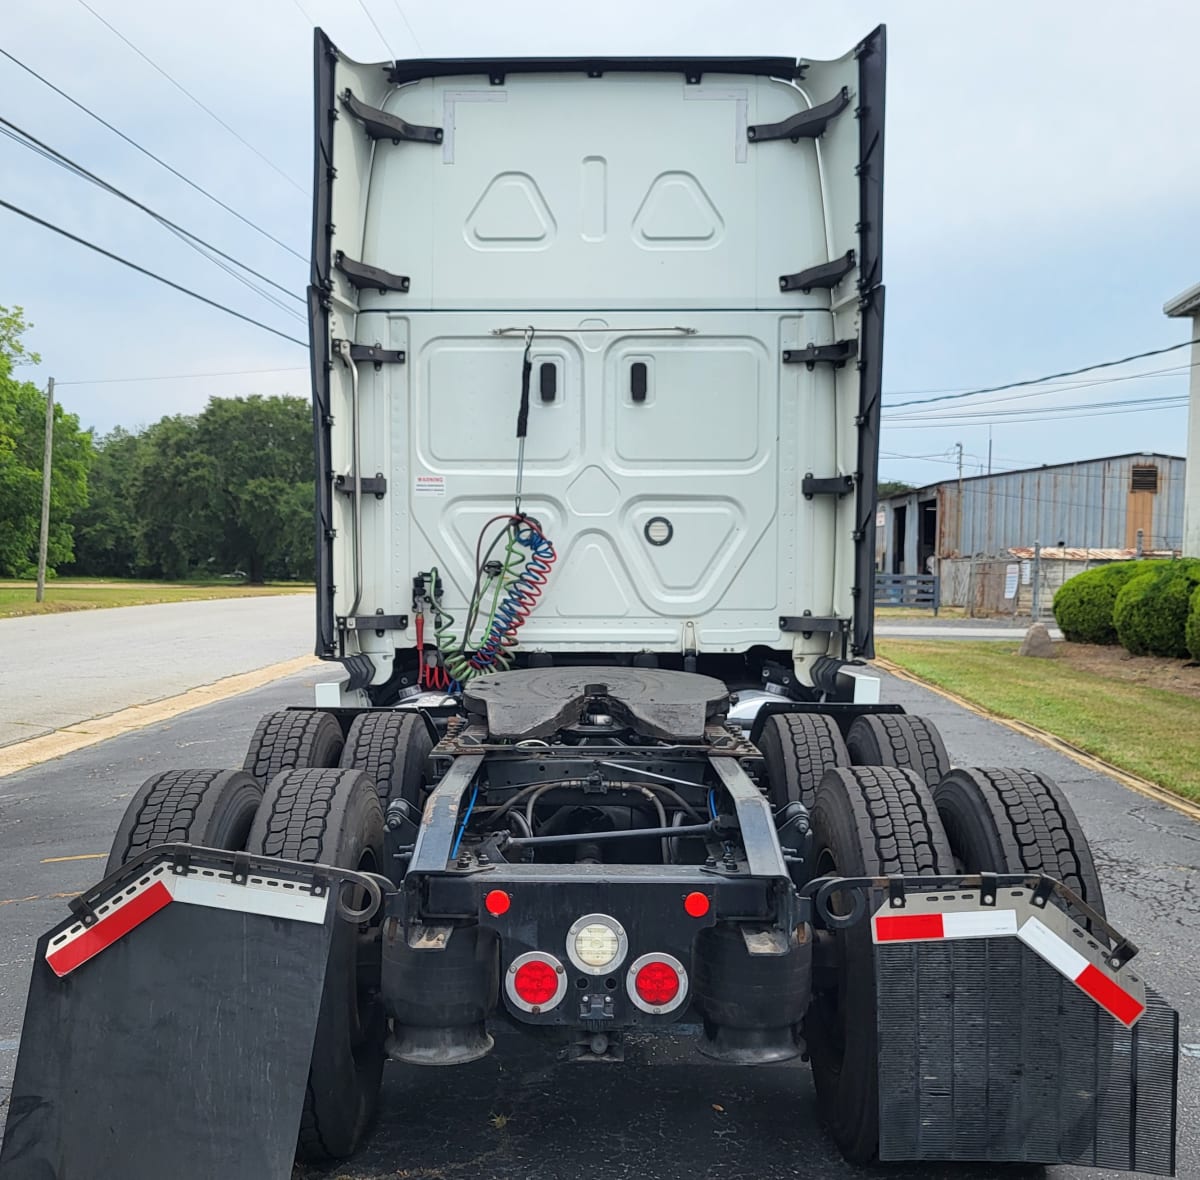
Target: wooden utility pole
[{"x": 47, "y": 458}]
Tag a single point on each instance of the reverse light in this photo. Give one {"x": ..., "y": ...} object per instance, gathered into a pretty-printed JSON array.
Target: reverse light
[
  {"x": 596, "y": 944},
  {"x": 656, "y": 982},
  {"x": 535, "y": 982}
]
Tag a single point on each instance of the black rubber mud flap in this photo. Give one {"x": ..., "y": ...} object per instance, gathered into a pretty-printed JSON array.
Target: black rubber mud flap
[
  {"x": 1006, "y": 1035},
  {"x": 177, "y": 1041}
]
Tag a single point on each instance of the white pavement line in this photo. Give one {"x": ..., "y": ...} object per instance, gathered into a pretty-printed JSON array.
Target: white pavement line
[{"x": 22, "y": 755}]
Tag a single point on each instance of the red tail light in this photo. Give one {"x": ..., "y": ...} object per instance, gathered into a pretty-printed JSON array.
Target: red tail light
[
  {"x": 535, "y": 982},
  {"x": 657, "y": 983}
]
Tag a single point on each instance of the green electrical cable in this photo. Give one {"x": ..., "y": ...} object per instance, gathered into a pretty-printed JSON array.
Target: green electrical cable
[{"x": 457, "y": 655}]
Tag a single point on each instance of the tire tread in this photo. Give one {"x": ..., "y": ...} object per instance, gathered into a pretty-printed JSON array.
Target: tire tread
[
  {"x": 798, "y": 749},
  {"x": 899, "y": 739},
  {"x": 289, "y": 739},
  {"x": 1035, "y": 826}
]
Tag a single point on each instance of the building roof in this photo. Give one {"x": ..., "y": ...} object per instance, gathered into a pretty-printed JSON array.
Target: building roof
[
  {"x": 953, "y": 480},
  {"x": 1186, "y": 304}
]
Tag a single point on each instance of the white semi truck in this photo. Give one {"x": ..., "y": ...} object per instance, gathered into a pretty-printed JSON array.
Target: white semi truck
[{"x": 596, "y": 349}]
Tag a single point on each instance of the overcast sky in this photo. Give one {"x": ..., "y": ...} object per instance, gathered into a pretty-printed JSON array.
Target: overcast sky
[{"x": 1041, "y": 193}]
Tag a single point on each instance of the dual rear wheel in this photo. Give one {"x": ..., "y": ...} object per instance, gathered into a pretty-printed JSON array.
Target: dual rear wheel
[
  {"x": 306, "y": 794},
  {"x": 886, "y": 802}
]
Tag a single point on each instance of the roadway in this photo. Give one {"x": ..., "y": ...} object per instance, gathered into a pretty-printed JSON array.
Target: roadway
[{"x": 61, "y": 669}]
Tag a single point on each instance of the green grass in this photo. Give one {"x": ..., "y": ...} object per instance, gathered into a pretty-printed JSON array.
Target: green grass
[
  {"x": 69, "y": 594},
  {"x": 885, "y": 613},
  {"x": 1147, "y": 731}
]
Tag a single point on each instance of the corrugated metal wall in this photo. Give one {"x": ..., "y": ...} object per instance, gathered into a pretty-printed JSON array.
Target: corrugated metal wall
[{"x": 1083, "y": 505}]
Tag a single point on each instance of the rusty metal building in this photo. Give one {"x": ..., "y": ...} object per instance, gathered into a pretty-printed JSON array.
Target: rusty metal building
[{"x": 1120, "y": 502}]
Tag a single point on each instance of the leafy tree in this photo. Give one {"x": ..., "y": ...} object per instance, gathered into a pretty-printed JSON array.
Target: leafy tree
[
  {"x": 260, "y": 483},
  {"x": 892, "y": 487},
  {"x": 177, "y": 530},
  {"x": 228, "y": 489},
  {"x": 22, "y": 443},
  {"x": 106, "y": 528}
]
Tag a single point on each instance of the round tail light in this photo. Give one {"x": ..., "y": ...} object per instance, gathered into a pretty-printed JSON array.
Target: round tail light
[
  {"x": 657, "y": 983},
  {"x": 535, "y": 982}
]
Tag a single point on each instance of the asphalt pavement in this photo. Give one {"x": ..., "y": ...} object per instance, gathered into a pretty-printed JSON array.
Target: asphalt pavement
[
  {"x": 522, "y": 1113},
  {"x": 61, "y": 669}
]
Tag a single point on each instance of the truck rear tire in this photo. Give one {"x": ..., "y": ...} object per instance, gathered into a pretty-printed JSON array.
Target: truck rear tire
[
  {"x": 210, "y": 807},
  {"x": 292, "y": 739},
  {"x": 899, "y": 739},
  {"x": 1016, "y": 821},
  {"x": 798, "y": 749},
  {"x": 867, "y": 821},
  {"x": 333, "y": 817},
  {"x": 390, "y": 749}
]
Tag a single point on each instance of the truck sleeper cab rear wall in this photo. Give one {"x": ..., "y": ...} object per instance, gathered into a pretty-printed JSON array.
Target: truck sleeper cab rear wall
[{"x": 705, "y": 290}]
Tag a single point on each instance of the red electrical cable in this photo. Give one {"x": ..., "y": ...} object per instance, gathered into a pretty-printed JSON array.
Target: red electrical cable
[{"x": 421, "y": 649}]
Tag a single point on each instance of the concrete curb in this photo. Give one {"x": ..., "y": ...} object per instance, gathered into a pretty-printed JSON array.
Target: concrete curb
[{"x": 22, "y": 755}]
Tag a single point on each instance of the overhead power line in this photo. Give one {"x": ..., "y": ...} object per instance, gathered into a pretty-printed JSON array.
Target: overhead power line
[
  {"x": 149, "y": 273},
  {"x": 150, "y": 155},
  {"x": 184, "y": 376},
  {"x": 1048, "y": 390},
  {"x": 184, "y": 90},
  {"x": 367, "y": 13},
  {"x": 957, "y": 424},
  {"x": 411, "y": 33},
  {"x": 28, "y": 140},
  {"x": 1028, "y": 411},
  {"x": 1137, "y": 356}
]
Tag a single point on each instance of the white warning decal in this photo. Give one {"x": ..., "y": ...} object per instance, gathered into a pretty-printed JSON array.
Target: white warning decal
[{"x": 429, "y": 485}]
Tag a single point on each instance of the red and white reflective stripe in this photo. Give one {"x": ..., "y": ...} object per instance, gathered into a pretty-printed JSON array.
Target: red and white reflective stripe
[
  {"x": 1036, "y": 935},
  {"x": 119, "y": 921},
  {"x": 925, "y": 927},
  {"x": 1066, "y": 960},
  {"x": 142, "y": 900}
]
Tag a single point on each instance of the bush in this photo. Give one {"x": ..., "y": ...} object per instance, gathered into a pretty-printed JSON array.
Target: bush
[
  {"x": 1151, "y": 611},
  {"x": 1192, "y": 633},
  {"x": 1083, "y": 606}
]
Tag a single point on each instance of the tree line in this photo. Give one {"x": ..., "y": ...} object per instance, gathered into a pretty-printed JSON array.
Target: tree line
[{"x": 225, "y": 491}]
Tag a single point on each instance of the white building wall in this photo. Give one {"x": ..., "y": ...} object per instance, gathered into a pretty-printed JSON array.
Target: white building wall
[
  {"x": 1191, "y": 497},
  {"x": 1187, "y": 307}
]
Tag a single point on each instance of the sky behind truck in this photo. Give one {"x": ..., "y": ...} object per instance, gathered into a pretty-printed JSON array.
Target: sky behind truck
[{"x": 1034, "y": 224}]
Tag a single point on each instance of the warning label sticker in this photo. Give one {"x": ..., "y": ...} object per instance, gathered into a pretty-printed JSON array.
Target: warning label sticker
[{"x": 429, "y": 485}]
